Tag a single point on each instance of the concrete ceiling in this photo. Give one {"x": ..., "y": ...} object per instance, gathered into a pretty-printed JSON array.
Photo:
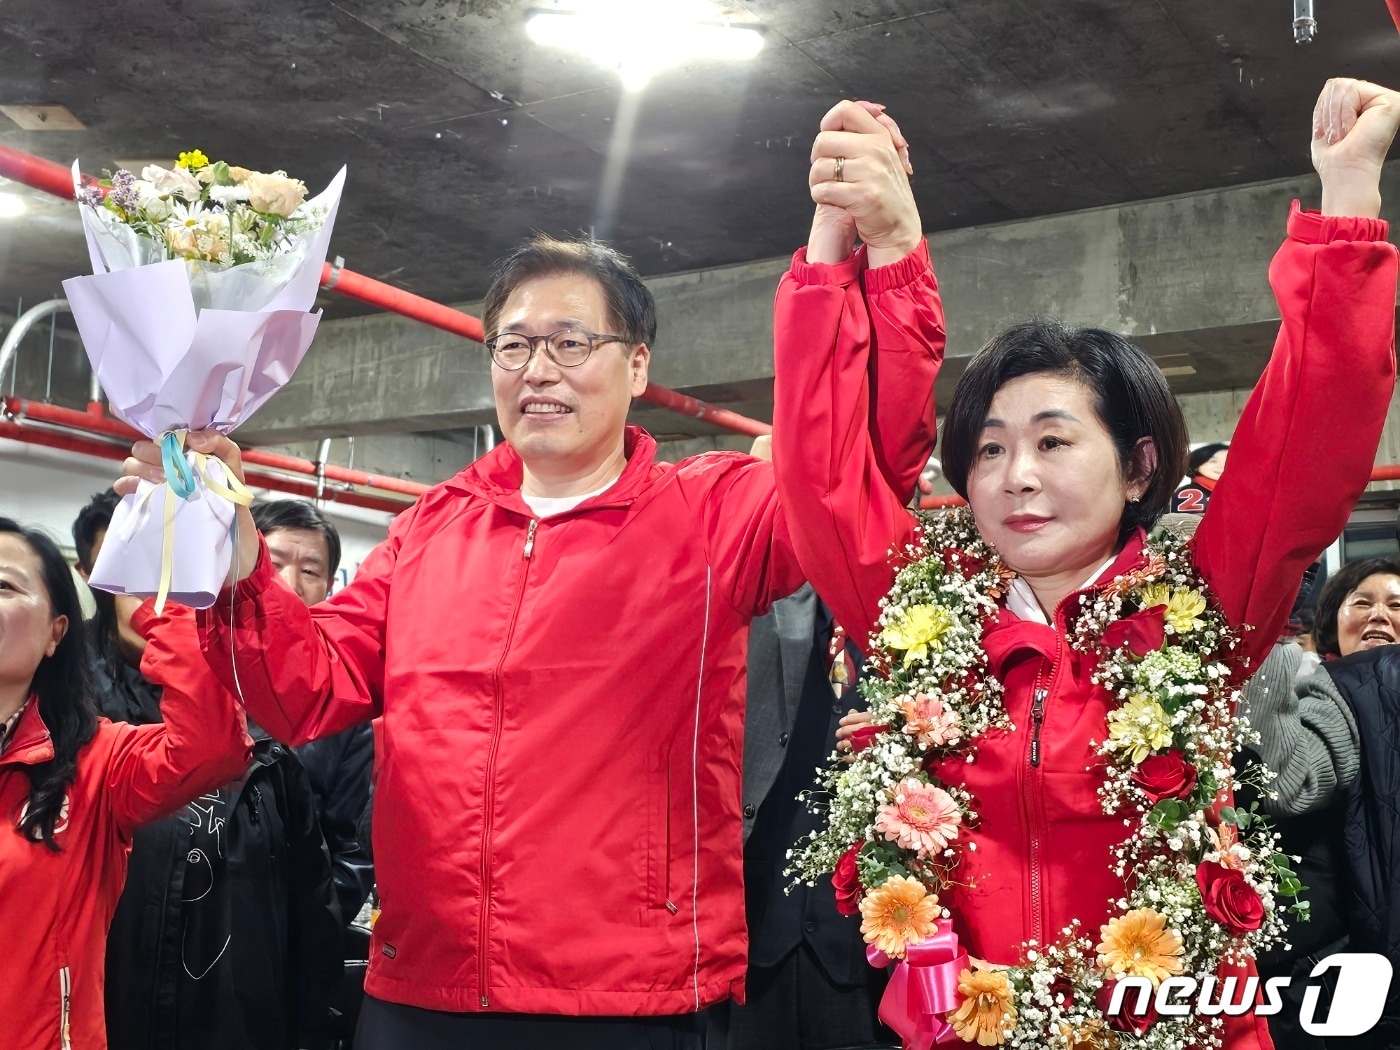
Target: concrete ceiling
[{"x": 462, "y": 136}]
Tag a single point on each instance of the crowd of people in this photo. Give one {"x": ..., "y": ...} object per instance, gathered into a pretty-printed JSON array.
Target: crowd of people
[{"x": 599, "y": 682}]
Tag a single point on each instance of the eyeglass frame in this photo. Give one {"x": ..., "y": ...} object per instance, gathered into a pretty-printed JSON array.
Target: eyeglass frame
[{"x": 535, "y": 341}]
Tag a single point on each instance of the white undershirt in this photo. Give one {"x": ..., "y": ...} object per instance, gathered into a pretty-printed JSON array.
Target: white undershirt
[
  {"x": 1021, "y": 601},
  {"x": 548, "y": 506}
]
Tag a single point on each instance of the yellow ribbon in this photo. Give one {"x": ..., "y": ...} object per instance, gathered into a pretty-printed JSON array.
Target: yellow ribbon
[{"x": 235, "y": 492}]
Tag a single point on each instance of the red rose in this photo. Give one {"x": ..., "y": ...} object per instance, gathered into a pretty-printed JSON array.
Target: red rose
[
  {"x": 1165, "y": 776},
  {"x": 846, "y": 881},
  {"x": 1127, "y": 1020},
  {"x": 961, "y": 562},
  {"x": 865, "y": 736},
  {"x": 1143, "y": 632},
  {"x": 1228, "y": 899}
]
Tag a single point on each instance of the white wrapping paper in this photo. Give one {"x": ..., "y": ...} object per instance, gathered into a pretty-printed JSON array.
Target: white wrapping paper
[{"x": 178, "y": 347}]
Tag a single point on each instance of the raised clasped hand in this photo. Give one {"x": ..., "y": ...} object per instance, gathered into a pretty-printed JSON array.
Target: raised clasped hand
[
  {"x": 1354, "y": 124},
  {"x": 859, "y": 180}
]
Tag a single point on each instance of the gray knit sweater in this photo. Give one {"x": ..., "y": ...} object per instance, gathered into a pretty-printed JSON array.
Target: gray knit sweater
[{"x": 1307, "y": 734}]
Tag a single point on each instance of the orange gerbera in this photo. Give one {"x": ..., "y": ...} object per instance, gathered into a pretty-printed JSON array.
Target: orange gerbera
[
  {"x": 1095, "y": 1035},
  {"x": 988, "y": 1011},
  {"x": 1139, "y": 944},
  {"x": 897, "y": 913}
]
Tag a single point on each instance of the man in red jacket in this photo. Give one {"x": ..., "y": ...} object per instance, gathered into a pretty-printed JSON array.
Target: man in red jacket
[{"x": 555, "y": 639}]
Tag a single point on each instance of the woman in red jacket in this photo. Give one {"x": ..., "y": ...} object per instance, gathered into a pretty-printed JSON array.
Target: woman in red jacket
[
  {"x": 1083, "y": 655},
  {"x": 73, "y": 787}
]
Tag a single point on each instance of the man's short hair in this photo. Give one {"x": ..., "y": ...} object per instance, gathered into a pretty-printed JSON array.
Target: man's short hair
[
  {"x": 92, "y": 519},
  {"x": 295, "y": 514},
  {"x": 631, "y": 309}
]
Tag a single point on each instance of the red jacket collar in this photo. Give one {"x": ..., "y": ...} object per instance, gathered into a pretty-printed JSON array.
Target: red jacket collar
[
  {"x": 497, "y": 475},
  {"x": 31, "y": 743},
  {"x": 1005, "y": 633}
]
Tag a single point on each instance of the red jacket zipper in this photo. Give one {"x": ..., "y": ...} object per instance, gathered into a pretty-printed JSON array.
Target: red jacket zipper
[
  {"x": 1044, "y": 683},
  {"x": 491, "y": 774}
]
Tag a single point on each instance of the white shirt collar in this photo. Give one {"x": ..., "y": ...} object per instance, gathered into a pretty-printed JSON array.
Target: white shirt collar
[{"x": 1021, "y": 601}]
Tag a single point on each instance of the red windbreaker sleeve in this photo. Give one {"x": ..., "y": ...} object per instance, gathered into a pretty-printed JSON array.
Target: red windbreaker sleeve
[
  {"x": 834, "y": 470},
  {"x": 1304, "y": 448},
  {"x": 201, "y": 744},
  {"x": 305, "y": 673}
]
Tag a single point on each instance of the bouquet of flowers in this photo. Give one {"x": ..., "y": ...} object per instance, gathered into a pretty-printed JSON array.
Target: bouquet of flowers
[{"x": 197, "y": 312}]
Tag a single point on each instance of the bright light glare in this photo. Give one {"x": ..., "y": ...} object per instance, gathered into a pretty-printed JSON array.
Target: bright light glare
[
  {"x": 11, "y": 206},
  {"x": 640, "y": 40}
]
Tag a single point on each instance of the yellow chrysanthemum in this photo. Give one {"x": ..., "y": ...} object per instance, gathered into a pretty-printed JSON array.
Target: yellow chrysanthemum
[
  {"x": 897, "y": 913},
  {"x": 919, "y": 628},
  {"x": 1139, "y": 727},
  {"x": 1185, "y": 605},
  {"x": 988, "y": 1011},
  {"x": 1139, "y": 944},
  {"x": 193, "y": 160}
]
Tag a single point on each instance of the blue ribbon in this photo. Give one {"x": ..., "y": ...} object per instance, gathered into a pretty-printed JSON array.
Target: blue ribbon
[{"x": 177, "y": 469}]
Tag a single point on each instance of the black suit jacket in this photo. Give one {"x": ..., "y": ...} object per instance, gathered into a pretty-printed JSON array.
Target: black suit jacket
[{"x": 793, "y": 716}]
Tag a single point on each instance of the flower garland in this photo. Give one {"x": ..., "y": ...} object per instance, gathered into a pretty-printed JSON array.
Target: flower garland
[{"x": 1204, "y": 884}]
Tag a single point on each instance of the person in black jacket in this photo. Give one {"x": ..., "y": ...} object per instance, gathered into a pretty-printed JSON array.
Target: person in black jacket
[
  {"x": 228, "y": 933},
  {"x": 305, "y": 550},
  {"x": 1334, "y": 741},
  {"x": 809, "y": 984}
]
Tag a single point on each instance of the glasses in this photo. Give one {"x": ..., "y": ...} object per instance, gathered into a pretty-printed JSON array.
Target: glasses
[{"x": 567, "y": 348}]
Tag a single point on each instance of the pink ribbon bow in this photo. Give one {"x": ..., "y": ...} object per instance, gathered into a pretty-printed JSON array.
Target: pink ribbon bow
[{"x": 923, "y": 988}]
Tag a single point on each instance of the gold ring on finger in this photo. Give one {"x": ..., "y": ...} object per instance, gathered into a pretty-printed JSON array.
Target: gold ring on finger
[{"x": 840, "y": 169}]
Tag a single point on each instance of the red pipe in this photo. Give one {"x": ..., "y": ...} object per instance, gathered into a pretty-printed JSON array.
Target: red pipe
[
  {"x": 56, "y": 179},
  {"x": 35, "y": 171},
  {"x": 415, "y": 307},
  {"x": 941, "y": 502},
  {"x": 91, "y": 422},
  {"x": 354, "y": 285},
  {"x": 686, "y": 405},
  {"x": 84, "y": 446}
]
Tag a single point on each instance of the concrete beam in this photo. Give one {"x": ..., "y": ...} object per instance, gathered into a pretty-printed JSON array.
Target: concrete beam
[{"x": 1186, "y": 276}]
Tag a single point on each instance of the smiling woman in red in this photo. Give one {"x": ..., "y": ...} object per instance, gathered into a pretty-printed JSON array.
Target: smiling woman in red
[
  {"x": 74, "y": 786},
  {"x": 1067, "y": 445}
]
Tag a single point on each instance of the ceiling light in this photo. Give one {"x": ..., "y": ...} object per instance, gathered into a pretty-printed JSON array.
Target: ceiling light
[
  {"x": 11, "y": 205},
  {"x": 640, "y": 38}
]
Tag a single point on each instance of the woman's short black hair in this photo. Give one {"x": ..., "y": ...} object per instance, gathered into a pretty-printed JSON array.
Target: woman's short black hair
[
  {"x": 1131, "y": 397},
  {"x": 1341, "y": 583},
  {"x": 63, "y": 686},
  {"x": 1200, "y": 456}
]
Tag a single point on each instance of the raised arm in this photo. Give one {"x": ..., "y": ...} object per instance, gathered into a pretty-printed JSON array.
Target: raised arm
[
  {"x": 302, "y": 673},
  {"x": 305, "y": 673},
  {"x": 201, "y": 742},
  {"x": 1305, "y": 446},
  {"x": 834, "y": 465}
]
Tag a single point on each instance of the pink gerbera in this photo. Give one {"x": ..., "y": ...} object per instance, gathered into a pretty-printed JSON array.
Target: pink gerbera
[
  {"x": 930, "y": 721},
  {"x": 922, "y": 817}
]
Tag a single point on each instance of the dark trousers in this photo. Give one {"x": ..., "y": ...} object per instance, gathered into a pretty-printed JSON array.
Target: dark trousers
[
  {"x": 392, "y": 1026},
  {"x": 796, "y": 1006}
]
